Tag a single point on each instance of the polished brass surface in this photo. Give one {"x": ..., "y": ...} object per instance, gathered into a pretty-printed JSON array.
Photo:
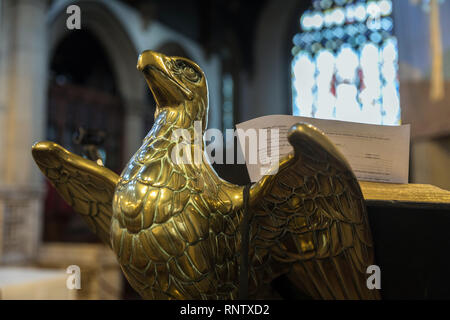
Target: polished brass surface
[
  {"x": 405, "y": 193},
  {"x": 175, "y": 227},
  {"x": 83, "y": 184}
]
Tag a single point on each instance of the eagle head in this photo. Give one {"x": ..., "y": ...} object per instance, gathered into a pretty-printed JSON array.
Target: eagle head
[{"x": 175, "y": 82}]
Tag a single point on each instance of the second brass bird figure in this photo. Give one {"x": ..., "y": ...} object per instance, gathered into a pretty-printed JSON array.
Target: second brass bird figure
[{"x": 176, "y": 227}]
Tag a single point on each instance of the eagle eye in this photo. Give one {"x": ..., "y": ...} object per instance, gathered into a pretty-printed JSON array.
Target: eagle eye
[{"x": 185, "y": 69}]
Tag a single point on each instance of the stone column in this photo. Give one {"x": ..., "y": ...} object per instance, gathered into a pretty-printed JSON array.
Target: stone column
[
  {"x": 5, "y": 31},
  {"x": 26, "y": 82},
  {"x": 23, "y": 92}
]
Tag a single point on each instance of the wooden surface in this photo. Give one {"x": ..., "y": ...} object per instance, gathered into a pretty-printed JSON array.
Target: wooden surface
[{"x": 422, "y": 195}]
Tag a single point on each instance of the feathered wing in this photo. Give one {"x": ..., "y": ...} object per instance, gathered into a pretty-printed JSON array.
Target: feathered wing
[
  {"x": 84, "y": 185},
  {"x": 310, "y": 221}
]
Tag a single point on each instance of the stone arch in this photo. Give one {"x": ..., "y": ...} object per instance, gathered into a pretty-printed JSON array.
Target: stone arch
[{"x": 102, "y": 21}]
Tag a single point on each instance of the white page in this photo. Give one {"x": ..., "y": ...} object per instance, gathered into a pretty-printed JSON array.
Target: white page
[{"x": 375, "y": 153}]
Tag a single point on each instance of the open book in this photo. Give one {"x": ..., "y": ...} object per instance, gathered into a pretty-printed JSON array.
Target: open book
[{"x": 375, "y": 152}]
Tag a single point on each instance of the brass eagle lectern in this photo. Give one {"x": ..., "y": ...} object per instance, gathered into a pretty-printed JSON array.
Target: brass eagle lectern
[{"x": 176, "y": 228}]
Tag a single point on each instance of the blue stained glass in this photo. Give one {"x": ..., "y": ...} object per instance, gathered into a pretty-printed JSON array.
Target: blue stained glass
[
  {"x": 316, "y": 47},
  {"x": 387, "y": 24},
  {"x": 360, "y": 12},
  {"x": 361, "y": 28},
  {"x": 361, "y": 39},
  {"x": 317, "y": 36},
  {"x": 297, "y": 40},
  {"x": 331, "y": 45},
  {"x": 385, "y": 7},
  {"x": 325, "y": 4},
  {"x": 307, "y": 38},
  {"x": 376, "y": 37},
  {"x": 339, "y": 32},
  {"x": 345, "y": 62},
  {"x": 328, "y": 34},
  {"x": 351, "y": 30}
]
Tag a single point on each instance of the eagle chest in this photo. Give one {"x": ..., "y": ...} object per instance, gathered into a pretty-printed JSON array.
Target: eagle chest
[{"x": 173, "y": 223}]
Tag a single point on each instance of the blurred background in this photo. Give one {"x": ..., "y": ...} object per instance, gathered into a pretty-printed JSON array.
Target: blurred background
[{"x": 377, "y": 61}]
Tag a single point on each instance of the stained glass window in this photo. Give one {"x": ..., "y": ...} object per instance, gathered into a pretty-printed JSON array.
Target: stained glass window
[{"x": 345, "y": 62}]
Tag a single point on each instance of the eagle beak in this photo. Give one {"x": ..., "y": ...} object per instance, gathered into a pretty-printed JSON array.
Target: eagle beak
[{"x": 166, "y": 89}]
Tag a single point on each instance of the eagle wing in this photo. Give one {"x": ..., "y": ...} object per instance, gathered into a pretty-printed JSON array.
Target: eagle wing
[
  {"x": 84, "y": 185},
  {"x": 310, "y": 221}
]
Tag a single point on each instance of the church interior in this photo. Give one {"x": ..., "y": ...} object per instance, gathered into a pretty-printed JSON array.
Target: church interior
[{"x": 378, "y": 62}]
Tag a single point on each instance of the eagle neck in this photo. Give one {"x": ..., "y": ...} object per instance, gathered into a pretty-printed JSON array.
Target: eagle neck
[{"x": 170, "y": 121}]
